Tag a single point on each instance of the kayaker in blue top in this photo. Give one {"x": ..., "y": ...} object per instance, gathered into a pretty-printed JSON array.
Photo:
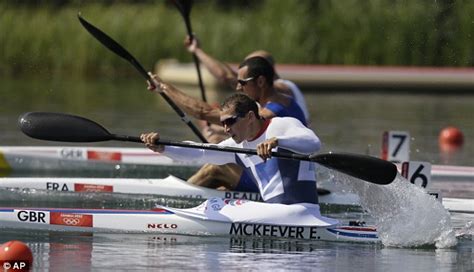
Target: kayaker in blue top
[
  {"x": 225, "y": 74},
  {"x": 281, "y": 181},
  {"x": 255, "y": 78}
]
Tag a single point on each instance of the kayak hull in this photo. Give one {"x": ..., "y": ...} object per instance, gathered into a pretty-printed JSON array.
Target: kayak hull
[{"x": 168, "y": 222}]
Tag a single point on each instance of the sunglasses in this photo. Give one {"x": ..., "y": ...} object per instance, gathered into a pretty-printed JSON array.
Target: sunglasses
[
  {"x": 244, "y": 81},
  {"x": 231, "y": 120}
]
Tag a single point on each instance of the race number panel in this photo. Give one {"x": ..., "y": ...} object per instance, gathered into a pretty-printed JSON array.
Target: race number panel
[
  {"x": 416, "y": 172},
  {"x": 396, "y": 146},
  {"x": 419, "y": 173}
]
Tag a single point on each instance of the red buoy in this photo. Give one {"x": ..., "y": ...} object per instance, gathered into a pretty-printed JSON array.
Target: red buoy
[
  {"x": 450, "y": 139},
  {"x": 15, "y": 256}
]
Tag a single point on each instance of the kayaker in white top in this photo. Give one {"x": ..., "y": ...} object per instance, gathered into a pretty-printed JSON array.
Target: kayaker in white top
[
  {"x": 279, "y": 180},
  {"x": 255, "y": 78}
]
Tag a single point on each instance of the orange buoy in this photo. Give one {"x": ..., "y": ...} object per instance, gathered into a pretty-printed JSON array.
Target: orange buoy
[
  {"x": 450, "y": 139},
  {"x": 15, "y": 256}
]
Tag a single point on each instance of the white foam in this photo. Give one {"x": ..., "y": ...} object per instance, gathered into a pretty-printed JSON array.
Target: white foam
[
  {"x": 405, "y": 215},
  {"x": 466, "y": 231}
]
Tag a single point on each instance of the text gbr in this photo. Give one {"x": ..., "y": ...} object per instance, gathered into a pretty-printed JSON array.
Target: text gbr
[{"x": 32, "y": 216}]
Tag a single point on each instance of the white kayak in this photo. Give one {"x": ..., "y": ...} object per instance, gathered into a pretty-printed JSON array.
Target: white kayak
[
  {"x": 176, "y": 187},
  {"x": 213, "y": 217},
  {"x": 65, "y": 158},
  {"x": 170, "y": 187},
  {"x": 31, "y": 158},
  {"x": 34, "y": 158}
]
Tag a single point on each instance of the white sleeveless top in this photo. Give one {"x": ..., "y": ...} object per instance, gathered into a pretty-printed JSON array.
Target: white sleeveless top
[{"x": 279, "y": 180}]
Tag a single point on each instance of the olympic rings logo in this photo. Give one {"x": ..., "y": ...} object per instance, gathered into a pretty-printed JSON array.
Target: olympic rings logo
[
  {"x": 234, "y": 202},
  {"x": 71, "y": 221}
]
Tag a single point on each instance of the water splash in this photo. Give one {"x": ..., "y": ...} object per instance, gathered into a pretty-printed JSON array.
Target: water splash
[
  {"x": 405, "y": 215},
  {"x": 466, "y": 231}
]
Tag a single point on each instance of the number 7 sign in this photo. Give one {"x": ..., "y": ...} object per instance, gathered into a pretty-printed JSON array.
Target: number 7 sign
[{"x": 396, "y": 146}]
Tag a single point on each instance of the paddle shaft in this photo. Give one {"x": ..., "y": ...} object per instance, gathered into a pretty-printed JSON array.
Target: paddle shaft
[
  {"x": 184, "y": 8},
  {"x": 196, "y": 61},
  {"x": 229, "y": 149},
  {"x": 367, "y": 168},
  {"x": 201, "y": 83},
  {"x": 118, "y": 49}
]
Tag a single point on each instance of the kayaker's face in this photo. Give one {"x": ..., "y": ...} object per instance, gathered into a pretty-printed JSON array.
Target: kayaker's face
[
  {"x": 247, "y": 84},
  {"x": 235, "y": 125}
]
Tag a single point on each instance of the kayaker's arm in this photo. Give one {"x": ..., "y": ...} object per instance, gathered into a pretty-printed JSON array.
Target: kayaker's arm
[
  {"x": 221, "y": 71},
  {"x": 188, "y": 154},
  {"x": 199, "y": 155},
  {"x": 191, "y": 105},
  {"x": 293, "y": 135},
  {"x": 214, "y": 133}
]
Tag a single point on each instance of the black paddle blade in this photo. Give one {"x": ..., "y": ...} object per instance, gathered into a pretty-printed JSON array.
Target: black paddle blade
[
  {"x": 367, "y": 168},
  {"x": 62, "y": 127},
  {"x": 184, "y": 7},
  {"x": 112, "y": 45}
]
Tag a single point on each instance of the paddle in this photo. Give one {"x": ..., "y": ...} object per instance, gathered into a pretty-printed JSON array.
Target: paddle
[
  {"x": 184, "y": 7},
  {"x": 119, "y": 50},
  {"x": 69, "y": 128}
]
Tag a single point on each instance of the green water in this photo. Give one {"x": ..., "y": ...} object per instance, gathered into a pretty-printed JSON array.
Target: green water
[{"x": 345, "y": 121}]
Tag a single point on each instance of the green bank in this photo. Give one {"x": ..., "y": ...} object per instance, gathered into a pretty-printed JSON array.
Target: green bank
[{"x": 45, "y": 37}]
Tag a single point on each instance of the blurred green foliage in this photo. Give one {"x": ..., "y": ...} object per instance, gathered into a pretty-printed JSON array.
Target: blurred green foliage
[{"x": 45, "y": 37}]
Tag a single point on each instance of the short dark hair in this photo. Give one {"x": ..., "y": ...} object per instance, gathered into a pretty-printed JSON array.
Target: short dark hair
[
  {"x": 264, "y": 54},
  {"x": 259, "y": 66},
  {"x": 241, "y": 103}
]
